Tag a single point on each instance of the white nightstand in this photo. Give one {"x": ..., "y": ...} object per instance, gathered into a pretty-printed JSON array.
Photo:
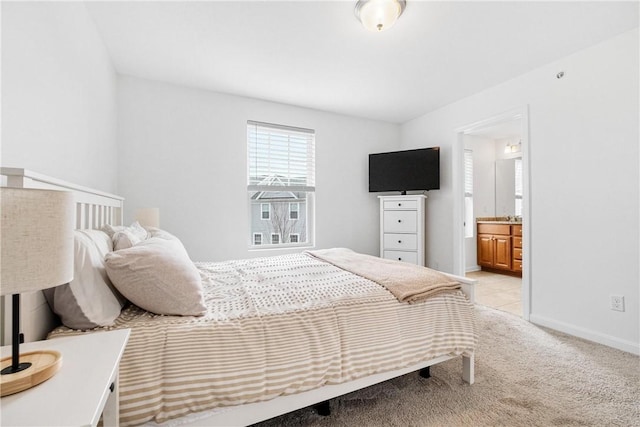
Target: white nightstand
[{"x": 80, "y": 392}]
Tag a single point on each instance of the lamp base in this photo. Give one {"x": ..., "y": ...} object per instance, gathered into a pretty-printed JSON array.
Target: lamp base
[
  {"x": 9, "y": 369},
  {"x": 43, "y": 365}
]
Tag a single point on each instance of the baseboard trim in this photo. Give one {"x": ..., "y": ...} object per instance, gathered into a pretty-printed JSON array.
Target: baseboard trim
[
  {"x": 587, "y": 334},
  {"x": 472, "y": 269}
]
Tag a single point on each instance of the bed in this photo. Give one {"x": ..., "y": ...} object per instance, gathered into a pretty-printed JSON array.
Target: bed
[{"x": 275, "y": 334}]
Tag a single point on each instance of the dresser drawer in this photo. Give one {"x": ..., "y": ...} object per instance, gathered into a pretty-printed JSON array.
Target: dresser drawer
[
  {"x": 400, "y": 221},
  {"x": 484, "y": 228},
  {"x": 517, "y": 254},
  {"x": 400, "y": 204},
  {"x": 517, "y": 242},
  {"x": 411, "y": 257},
  {"x": 516, "y": 230},
  {"x": 407, "y": 242},
  {"x": 517, "y": 265}
]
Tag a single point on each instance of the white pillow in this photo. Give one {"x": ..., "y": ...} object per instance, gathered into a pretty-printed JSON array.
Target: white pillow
[
  {"x": 101, "y": 239},
  {"x": 124, "y": 239},
  {"x": 88, "y": 301},
  {"x": 158, "y": 276},
  {"x": 137, "y": 230},
  {"x": 134, "y": 229},
  {"x": 112, "y": 229},
  {"x": 157, "y": 232}
]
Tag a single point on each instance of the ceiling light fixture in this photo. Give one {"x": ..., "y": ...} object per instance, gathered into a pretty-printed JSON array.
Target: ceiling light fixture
[{"x": 379, "y": 15}]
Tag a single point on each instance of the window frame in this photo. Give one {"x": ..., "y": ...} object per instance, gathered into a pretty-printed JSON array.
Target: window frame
[
  {"x": 297, "y": 211},
  {"x": 268, "y": 211},
  {"x": 281, "y": 159},
  {"x": 255, "y": 234}
]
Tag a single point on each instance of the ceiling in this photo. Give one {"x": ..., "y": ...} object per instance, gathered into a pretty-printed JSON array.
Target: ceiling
[{"x": 316, "y": 54}]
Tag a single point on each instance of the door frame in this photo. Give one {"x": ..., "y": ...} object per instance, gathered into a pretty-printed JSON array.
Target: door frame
[{"x": 519, "y": 113}]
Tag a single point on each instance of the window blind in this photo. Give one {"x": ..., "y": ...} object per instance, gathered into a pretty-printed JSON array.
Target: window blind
[
  {"x": 519, "y": 187},
  {"x": 468, "y": 193},
  {"x": 280, "y": 156},
  {"x": 468, "y": 173},
  {"x": 518, "y": 174}
]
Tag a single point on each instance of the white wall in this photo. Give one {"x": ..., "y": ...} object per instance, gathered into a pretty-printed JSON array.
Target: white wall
[
  {"x": 58, "y": 94},
  {"x": 584, "y": 163},
  {"x": 184, "y": 150}
]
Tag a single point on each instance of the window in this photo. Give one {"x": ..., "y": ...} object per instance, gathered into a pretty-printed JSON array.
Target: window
[
  {"x": 265, "y": 209},
  {"x": 257, "y": 238},
  {"x": 468, "y": 194},
  {"x": 293, "y": 210},
  {"x": 519, "y": 187},
  {"x": 281, "y": 182}
]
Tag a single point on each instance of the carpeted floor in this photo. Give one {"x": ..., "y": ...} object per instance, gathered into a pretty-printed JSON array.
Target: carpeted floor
[{"x": 525, "y": 376}]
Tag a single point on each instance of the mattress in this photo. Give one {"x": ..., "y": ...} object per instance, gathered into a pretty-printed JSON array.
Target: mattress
[{"x": 276, "y": 326}]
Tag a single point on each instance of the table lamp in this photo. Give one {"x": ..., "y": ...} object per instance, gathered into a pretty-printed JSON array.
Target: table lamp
[
  {"x": 148, "y": 217},
  {"x": 36, "y": 243}
]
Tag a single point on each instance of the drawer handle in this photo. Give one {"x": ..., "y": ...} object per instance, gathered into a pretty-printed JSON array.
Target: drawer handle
[
  {"x": 399, "y": 259},
  {"x": 399, "y": 241},
  {"x": 399, "y": 220},
  {"x": 399, "y": 204}
]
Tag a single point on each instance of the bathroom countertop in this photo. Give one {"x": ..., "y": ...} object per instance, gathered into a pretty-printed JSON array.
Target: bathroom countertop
[{"x": 497, "y": 220}]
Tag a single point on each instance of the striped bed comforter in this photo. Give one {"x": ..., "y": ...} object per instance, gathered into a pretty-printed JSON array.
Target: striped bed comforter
[{"x": 275, "y": 326}]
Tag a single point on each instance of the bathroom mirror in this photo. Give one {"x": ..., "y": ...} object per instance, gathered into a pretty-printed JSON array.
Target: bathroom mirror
[{"x": 508, "y": 187}]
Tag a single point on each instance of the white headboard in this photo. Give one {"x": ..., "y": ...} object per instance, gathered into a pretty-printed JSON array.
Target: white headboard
[{"x": 94, "y": 208}]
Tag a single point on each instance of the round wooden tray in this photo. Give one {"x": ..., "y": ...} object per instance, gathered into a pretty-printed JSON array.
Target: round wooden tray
[{"x": 44, "y": 365}]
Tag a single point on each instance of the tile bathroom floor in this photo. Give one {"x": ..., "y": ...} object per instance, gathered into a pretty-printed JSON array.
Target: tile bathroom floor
[{"x": 498, "y": 291}]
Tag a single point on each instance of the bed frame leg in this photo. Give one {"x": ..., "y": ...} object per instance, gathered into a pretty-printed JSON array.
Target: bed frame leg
[
  {"x": 425, "y": 372},
  {"x": 468, "y": 369},
  {"x": 323, "y": 408}
]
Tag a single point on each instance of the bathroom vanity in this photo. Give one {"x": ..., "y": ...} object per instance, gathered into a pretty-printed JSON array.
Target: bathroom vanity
[{"x": 500, "y": 245}]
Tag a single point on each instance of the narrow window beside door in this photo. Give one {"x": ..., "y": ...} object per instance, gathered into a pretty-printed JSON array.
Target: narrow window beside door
[{"x": 468, "y": 194}]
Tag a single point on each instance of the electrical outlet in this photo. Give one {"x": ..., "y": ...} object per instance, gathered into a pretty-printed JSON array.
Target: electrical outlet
[{"x": 617, "y": 302}]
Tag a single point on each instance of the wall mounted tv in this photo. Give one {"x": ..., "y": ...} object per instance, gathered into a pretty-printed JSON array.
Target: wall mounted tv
[{"x": 403, "y": 171}]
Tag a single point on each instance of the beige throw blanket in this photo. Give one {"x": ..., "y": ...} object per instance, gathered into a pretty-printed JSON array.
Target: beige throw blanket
[{"x": 407, "y": 282}]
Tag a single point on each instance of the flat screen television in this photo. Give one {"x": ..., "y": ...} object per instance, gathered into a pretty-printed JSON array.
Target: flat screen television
[{"x": 403, "y": 171}]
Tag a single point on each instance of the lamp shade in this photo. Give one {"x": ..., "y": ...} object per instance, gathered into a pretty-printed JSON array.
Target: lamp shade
[
  {"x": 148, "y": 217},
  {"x": 379, "y": 15},
  {"x": 36, "y": 239}
]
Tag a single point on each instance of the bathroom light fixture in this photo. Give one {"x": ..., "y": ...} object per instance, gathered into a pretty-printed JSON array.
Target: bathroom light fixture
[
  {"x": 379, "y": 15},
  {"x": 513, "y": 148}
]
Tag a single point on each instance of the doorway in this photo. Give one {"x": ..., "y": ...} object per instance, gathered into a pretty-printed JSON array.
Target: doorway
[{"x": 493, "y": 143}]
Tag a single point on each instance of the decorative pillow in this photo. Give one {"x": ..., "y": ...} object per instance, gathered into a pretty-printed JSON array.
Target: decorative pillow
[
  {"x": 136, "y": 229},
  {"x": 112, "y": 229},
  {"x": 124, "y": 239},
  {"x": 158, "y": 276},
  {"x": 88, "y": 301}
]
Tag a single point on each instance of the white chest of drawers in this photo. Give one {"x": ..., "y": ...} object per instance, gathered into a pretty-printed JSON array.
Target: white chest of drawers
[{"x": 402, "y": 220}]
